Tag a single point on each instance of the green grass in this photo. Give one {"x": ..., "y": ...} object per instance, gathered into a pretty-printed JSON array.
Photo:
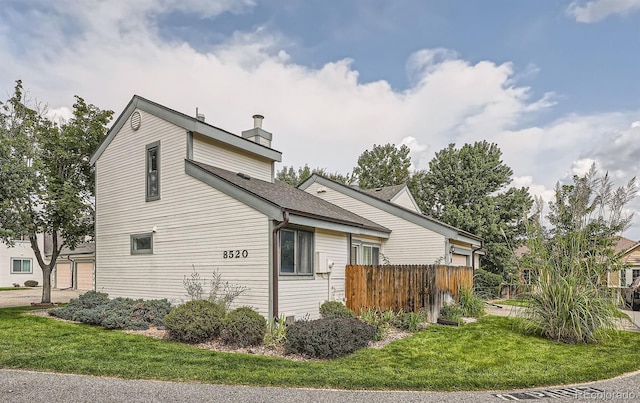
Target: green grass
[
  {"x": 488, "y": 354},
  {"x": 13, "y": 288}
]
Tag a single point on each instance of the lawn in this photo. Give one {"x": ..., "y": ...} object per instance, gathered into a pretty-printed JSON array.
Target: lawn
[
  {"x": 488, "y": 354},
  {"x": 512, "y": 302},
  {"x": 13, "y": 288}
]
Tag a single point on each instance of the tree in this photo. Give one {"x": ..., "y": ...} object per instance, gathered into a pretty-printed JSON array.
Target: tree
[
  {"x": 569, "y": 301},
  {"x": 47, "y": 181},
  {"x": 467, "y": 188},
  {"x": 294, "y": 178},
  {"x": 385, "y": 165}
]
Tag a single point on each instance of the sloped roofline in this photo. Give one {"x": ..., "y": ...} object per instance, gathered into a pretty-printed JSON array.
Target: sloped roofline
[
  {"x": 396, "y": 195},
  {"x": 187, "y": 122},
  {"x": 391, "y": 208},
  {"x": 275, "y": 211}
]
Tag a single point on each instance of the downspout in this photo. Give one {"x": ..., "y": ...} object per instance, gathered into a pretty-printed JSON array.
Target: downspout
[
  {"x": 473, "y": 251},
  {"x": 274, "y": 265}
]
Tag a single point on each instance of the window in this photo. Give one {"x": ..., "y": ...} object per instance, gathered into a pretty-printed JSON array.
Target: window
[
  {"x": 141, "y": 244},
  {"x": 19, "y": 266},
  {"x": 296, "y": 252},
  {"x": 623, "y": 277},
  {"x": 153, "y": 171},
  {"x": 370, "y": 254},
  {"x": 635, "y": 273}
]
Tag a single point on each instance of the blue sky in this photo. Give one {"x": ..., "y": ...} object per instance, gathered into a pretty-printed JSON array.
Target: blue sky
[{"x": 555, "y": 83}]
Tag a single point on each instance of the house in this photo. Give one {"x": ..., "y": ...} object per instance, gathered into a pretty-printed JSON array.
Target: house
[
  {"x": 75, "y": 268},
  {"x": 18, "y": 263},
  {"x": 175, "y": 195},
  {"x": 415, "y": 237},
  {"x": 630, "y": 251}
]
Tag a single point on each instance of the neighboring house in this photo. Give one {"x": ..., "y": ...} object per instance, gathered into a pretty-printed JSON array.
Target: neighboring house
[
  {"x": 415, "y": 237},
  {"x": 631, "y": 257},
  {"x": 75, "y": 268},
  {"x": 18, "y": 263},
  {"x": 175, "y": 194}
]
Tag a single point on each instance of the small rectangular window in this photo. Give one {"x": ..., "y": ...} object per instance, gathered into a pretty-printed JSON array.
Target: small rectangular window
[
  {"x": 141, "y": 244},
  {"x": 21, "y": 266},
  {"x": 365, "y": 254},
  {"x": 354, "y": 254},
  {"x": 635, "y": 273},
  {"x": 296, "y": 252},
  {"x": 153, "y": 171}
]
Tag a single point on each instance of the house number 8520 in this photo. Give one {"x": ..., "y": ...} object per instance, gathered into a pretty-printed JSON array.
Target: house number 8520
[{"x": 235, "y": 254}]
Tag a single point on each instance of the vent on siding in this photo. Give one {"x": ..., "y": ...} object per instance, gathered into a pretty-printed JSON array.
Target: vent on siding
[
  {"x": 244, "y": 176},
  {"x": 136, "y": 120}
]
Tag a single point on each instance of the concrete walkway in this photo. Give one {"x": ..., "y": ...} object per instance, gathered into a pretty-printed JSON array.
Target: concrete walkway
[{"x": 15, "y": 298}]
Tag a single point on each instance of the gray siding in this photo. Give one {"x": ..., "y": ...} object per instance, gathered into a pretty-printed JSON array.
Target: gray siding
[
  {"x": 215, "y": 153},
  {"x": 409, "y": 243},
  {"x": 301, "y": 296},
  {"x": 193, "y": 223}
]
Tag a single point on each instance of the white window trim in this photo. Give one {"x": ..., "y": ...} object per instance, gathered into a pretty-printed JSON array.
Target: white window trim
[
  {"x": 149, "y": 147},
  {"x": 296, "y": 265},
  {"x": 135, "y": 251},
  {"x": 22, "y": 259},
  {"x": 364, "y": 244}
]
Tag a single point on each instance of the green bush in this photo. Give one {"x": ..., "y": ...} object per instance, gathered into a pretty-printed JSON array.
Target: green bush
[
  {"x": 487, "y": 284},
  {"x": 96, "y": 308},
  {"x": 380, "y": 320},
  {"x": 243, "y": 327},
  {"x": 328, "y": 338},
  {"x": 31, "y": 283},
  {"x": 195, "y": 321},
  {"x": 335, "y": 309},
  {"x": 276, "y": 332},
  {"x": 471, "y": 304},
  {"x": 409, "y": 321},
  {"x": 452, "y": 312}
]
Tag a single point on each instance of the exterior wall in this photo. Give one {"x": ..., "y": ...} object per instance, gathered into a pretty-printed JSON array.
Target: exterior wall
[
  {"x": 211, "y": 152},
  {"x": 614, "y": 279},
  {"x": 299, "y": 296},
  {"x": 408, "y": 244},
  {"x": 633, "y": 260},
  {"x": 192, "y": 224},
  {"x": 404, "y": 200},
  {"x": 21, "y": 250}
]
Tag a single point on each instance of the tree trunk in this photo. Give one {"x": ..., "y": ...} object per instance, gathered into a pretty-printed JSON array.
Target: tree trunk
[{"x": 46, "y": 285}]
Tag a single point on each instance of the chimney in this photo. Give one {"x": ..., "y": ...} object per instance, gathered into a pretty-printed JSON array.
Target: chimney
[
  {"x": 199, "y": 116},
  {"x": 257, "y": 134}
]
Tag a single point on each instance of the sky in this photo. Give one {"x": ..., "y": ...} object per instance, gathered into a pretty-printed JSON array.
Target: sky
[{"x": 556, "y": 84}]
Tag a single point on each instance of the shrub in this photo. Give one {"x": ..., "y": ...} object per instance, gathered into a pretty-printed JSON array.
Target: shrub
[
  {"x": 487, "y": 284},
  {"x": 451, "y": 312},
  {"x": 380, "y": 320},
  {"x": 409, "y": 321},
  {"x": 276, "y": 332},
  {"x": 335, "y": 309},
  {"x": 471, "y": 304},
  {"x": 31, "y": 283},
  {"x": 16, "y": 285},
  {"x": 243, "y": 327},
  {"x": 96, "y": 308},
  {"x": 195, "y": 321},
  {"x": 328, "y": 338}
]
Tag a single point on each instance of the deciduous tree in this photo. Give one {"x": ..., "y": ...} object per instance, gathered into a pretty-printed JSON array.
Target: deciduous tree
[
  {"x": 47, "y": 181},
  {"x": 384, "y": 165}
]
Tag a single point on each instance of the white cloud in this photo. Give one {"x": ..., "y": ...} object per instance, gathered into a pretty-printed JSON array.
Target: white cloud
[
  {"x": 324, "y": 116},
  {"x": 598, "y": 10}
]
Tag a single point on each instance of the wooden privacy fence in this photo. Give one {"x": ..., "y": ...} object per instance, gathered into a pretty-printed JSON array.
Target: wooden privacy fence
[{"x": 405, "y": 287}]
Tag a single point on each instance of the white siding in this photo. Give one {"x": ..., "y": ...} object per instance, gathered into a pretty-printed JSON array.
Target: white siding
[
  {"x": 193, "y": 223},
  {"x": 20, "y": 250},
  {"x": 299, "y": 296},
  {"x": 404, "y": 199},
  {"x": 223, "y": 156},
  {"x": 409, "y": 243}
]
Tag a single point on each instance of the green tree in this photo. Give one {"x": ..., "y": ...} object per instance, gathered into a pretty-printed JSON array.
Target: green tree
[
  {"x": 295, "y": 177},
  {"x": 569, "y": 301},
  {"x": 467, "y": 188},
  {"x": 384, "y": 165},
  {"x": 47, "y": 181}
]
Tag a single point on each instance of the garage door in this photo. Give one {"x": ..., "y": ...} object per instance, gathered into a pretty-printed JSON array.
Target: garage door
[
  {"x": 63, "y": 275},
  {"x": 85, "y": 275},
  {"x": 458, "y": 260}
]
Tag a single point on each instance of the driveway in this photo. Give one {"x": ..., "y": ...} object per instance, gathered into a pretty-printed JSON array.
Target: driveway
[{"x": 14, "y": 298}]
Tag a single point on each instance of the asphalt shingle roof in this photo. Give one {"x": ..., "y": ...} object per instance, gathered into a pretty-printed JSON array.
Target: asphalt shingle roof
[
  {"x": 385, "y": 193},
  {"x": 292, "y": 199}
]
